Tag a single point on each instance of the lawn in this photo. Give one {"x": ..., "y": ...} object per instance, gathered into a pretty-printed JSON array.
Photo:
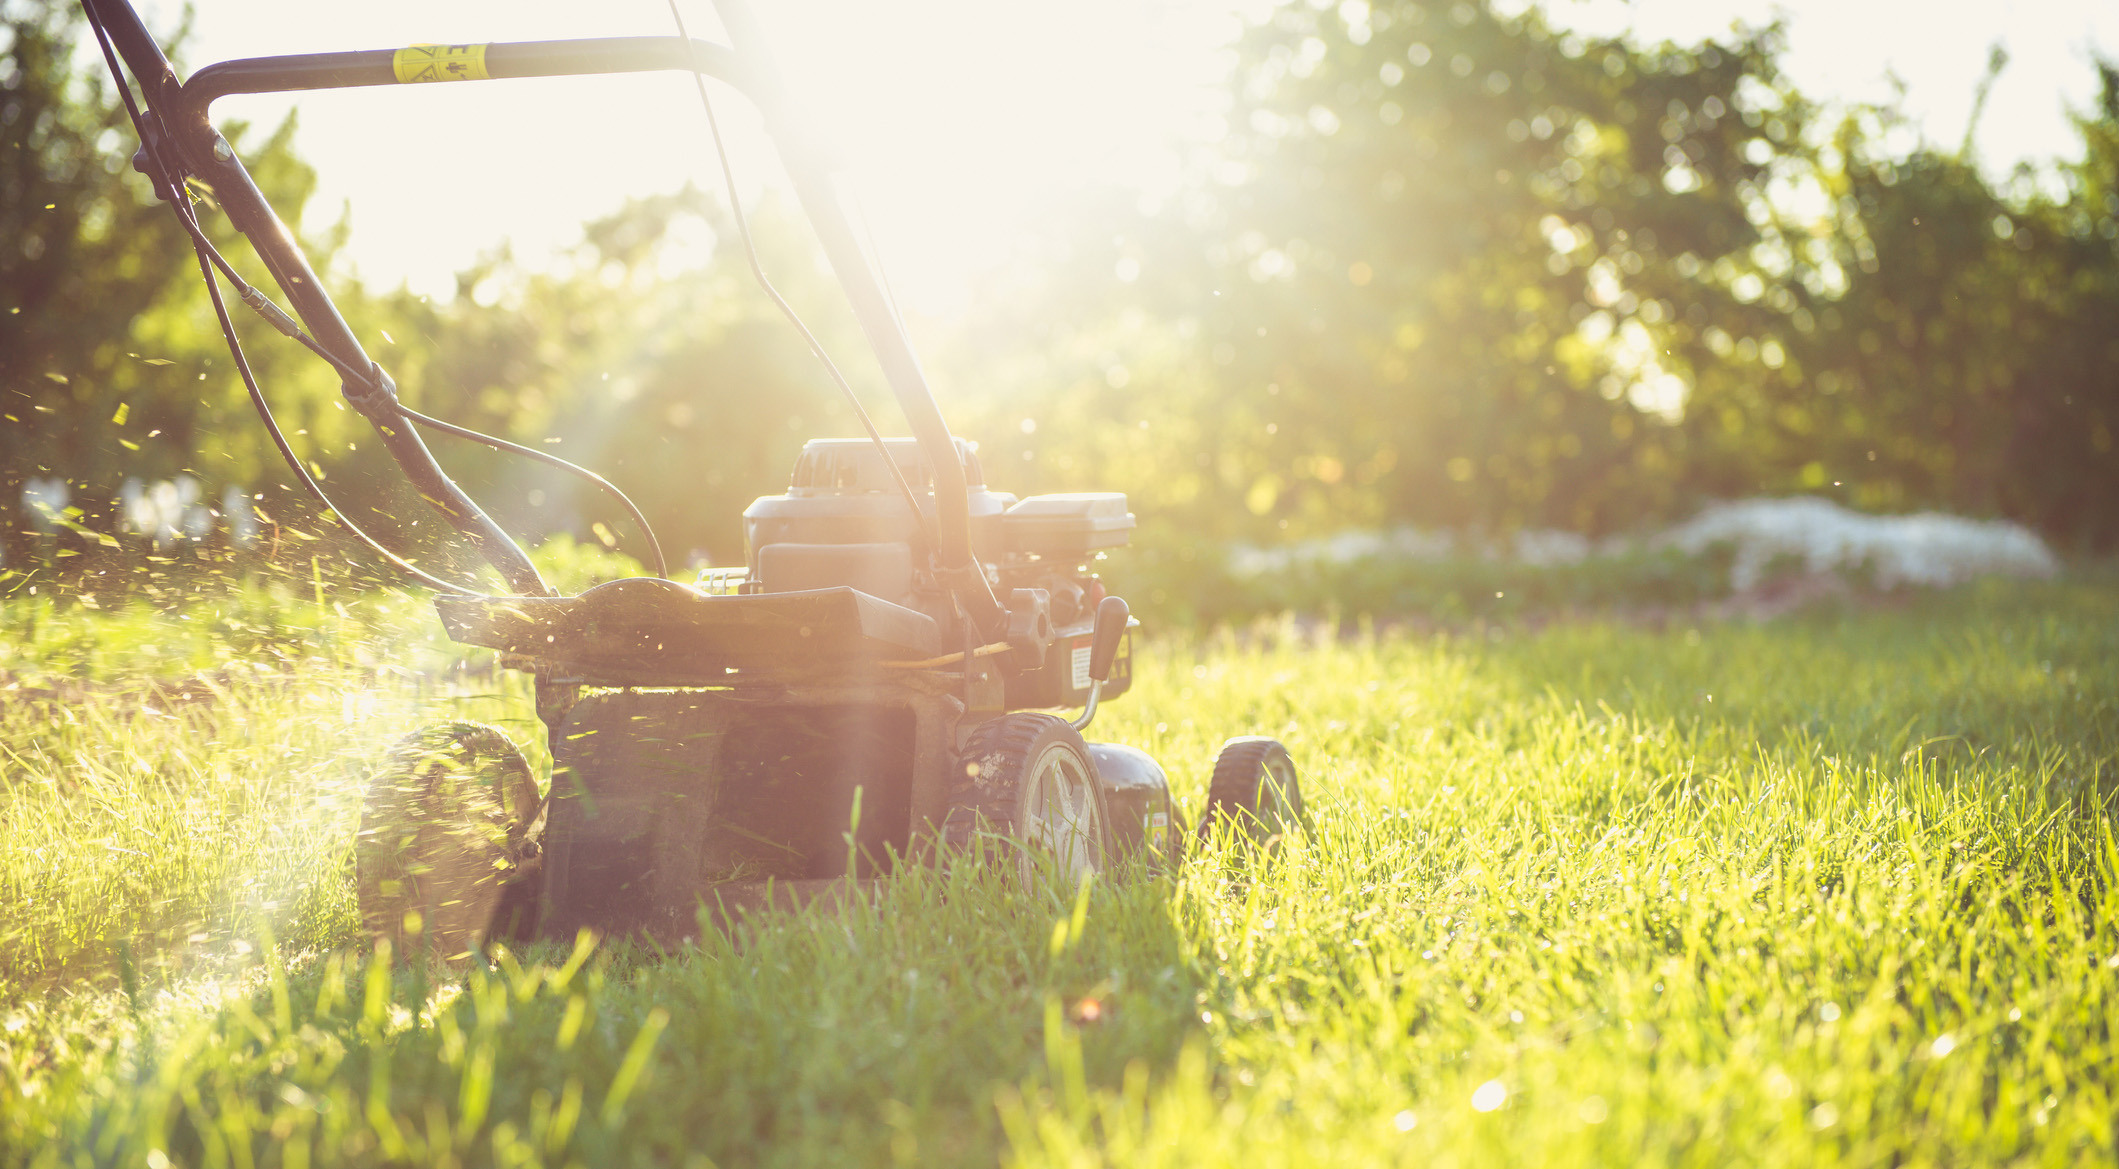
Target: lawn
[{"x": 1841, "y": 888}]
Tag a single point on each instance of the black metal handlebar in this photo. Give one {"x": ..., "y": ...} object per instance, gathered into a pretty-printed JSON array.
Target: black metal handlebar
[{"x": 456, "y": 63}]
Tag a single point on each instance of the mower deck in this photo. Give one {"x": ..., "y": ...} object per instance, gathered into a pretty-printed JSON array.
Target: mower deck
[{"x": 648, "y": 632}]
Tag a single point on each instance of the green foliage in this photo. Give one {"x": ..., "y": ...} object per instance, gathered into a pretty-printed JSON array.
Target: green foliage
[
  {"x": 1832, "y": 891},
  {"x": 1401, "y": 289},
  {"x": 571, "y": 566},
  {"x": 1455, "y": 267},
  {"x": 1965, "y": 365},
  {"x": 111, "y": 365}
]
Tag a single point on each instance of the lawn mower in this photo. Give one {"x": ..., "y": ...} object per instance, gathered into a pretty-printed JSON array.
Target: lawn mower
[{"x": 874, "y": 688}]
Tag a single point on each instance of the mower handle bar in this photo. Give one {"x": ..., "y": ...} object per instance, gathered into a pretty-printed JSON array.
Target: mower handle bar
[{"x": 180, "y": 110}]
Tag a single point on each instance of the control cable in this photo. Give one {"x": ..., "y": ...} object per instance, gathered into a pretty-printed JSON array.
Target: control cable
[{"x": 757, "y": 267}]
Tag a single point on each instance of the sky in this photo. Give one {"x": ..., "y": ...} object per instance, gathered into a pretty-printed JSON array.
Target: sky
[{"x": 966, "y": 119}]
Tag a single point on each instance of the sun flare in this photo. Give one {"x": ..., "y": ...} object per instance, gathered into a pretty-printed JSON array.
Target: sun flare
[{"x": 959, "y": 122}]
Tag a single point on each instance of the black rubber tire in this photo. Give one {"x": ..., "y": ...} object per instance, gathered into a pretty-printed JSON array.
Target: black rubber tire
[
  {"x": 1255, "y": 788},
  {"x": 448, "y": 829},
  {"x": 996, "y": 791}
]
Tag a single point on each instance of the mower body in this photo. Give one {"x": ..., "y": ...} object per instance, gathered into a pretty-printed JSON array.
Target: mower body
[
  {"x": 856, "y": 698},
  {"x": 805, "y": 721}
]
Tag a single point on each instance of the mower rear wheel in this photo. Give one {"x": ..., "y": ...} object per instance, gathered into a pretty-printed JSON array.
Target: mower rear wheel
[
  {"x": 1255, "y": 788},
  {"x": 447, "y": 825},
  {"x": 1028, "y": 779}
]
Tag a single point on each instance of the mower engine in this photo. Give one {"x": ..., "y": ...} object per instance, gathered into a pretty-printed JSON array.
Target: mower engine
[{"x": 844, "y": 522}]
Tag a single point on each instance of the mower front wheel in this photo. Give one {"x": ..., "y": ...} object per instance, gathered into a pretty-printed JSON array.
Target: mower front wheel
[
  {"x": 1254, "y": 788},
  {"x": 448, "y": 827},
  {"x": 1028, "y": 780}
]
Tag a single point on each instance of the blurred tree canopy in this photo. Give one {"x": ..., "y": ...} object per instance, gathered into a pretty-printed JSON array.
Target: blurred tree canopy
[
  {"x": 1448, "y": 265},
  {"x": 1452, "y": 266},
  {"x": 111, "y": 365}
]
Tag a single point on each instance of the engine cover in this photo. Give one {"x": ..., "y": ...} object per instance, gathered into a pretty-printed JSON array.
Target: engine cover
[{"x": 842, "y": 492}]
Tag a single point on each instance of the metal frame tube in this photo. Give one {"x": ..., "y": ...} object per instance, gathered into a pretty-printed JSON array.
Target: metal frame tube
[{"x": 308, "y": 71}]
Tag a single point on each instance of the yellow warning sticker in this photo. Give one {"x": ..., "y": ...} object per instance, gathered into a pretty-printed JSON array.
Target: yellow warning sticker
[{"x": 441, "y": 63}]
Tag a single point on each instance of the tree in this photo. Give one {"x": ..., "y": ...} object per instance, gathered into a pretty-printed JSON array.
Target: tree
[
  {"x": 1970, "y": 361},
  {"x": 110, "y": 364},
  {"x": 1454, "y": 266},
  {"x": 1447, "y": 268}
]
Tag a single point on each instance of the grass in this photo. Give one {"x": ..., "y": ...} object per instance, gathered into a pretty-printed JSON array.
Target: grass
[{"x": 1842, "y": 889}]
